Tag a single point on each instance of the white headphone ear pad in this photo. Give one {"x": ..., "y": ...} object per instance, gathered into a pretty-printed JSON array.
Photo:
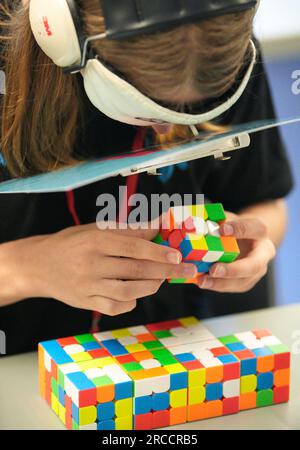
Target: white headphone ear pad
[{"x": 54, "y": 30}]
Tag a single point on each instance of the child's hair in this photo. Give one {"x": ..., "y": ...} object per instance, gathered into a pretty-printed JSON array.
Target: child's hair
[{"x": 40, "y": 113}]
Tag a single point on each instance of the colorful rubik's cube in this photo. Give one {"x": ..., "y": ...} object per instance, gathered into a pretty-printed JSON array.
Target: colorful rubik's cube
[
  {"x": 160, "y": 374},
  {"x": 194, "y": 230},
  {"x": 265, "y": 367}
]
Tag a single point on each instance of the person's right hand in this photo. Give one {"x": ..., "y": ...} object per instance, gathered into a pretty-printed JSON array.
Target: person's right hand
[{"x": 105, "y": 271}]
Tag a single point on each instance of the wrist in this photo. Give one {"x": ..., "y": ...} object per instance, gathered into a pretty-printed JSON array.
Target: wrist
[{"x": 18, "y": 270}]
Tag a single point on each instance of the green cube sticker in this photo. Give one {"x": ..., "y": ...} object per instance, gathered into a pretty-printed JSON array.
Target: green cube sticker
[
  {"x": 151, "y": 345},
  {"x": 161, "y": 353},
  {"x": 168, "y": 360},
  {"x": 177, "y": 281},
  {"x": 75, "y": 425},
  {"x": 162, "y": 334},
  {"x": 84, "y": 338},
  {"x": 158, "y": 239},
  {"x": 54, "y": 387},
  {"x": 278, "y": 349},
  {"x": 214, "y": 243},
  {"x": 215, "y": 212},
  {"x": 264, "y": 398},
  {"x": 61, "y": 379},
  {"x": 164, "y": 357},
  {"x": 228, "y": 257},
  {"x": 132, "y": 366},
  {"x": 231, "y": 339},
  {"x": 102, "y": 381}
]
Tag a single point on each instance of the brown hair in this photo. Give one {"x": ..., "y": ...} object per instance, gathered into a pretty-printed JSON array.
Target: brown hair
[{"x": 40, "y": 113}]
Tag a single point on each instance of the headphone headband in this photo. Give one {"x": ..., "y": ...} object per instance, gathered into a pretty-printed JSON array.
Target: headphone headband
[
  {"x": 129, "y": 18},
  {"x": 76, "y": 18},
  {"x": 57, "y": 25}
]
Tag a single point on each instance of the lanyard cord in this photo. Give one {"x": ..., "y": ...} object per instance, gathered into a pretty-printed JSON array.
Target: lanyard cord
[{"x": 131, "y": 184}]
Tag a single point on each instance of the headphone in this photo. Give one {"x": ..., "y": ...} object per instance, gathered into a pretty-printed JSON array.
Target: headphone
[{"x": 57, "y": 28}]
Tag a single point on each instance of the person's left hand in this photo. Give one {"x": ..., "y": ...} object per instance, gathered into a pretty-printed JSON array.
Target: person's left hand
[{"x": 257, "y": 250}]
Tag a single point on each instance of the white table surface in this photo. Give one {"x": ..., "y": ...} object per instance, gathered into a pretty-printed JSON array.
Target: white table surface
[{"x": 22, "y": 408}]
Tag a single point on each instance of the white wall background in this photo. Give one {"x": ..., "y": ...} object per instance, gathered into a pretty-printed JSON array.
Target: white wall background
[{"x": 278, "y": 19}]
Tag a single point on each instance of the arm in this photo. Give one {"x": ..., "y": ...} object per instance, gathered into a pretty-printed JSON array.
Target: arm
[
  {"x": 84, "y": 267},
  {"x": 14, "y": 286}
]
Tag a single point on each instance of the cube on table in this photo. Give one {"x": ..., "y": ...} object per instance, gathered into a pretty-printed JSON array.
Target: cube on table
[{"x": 161, "y": 374}]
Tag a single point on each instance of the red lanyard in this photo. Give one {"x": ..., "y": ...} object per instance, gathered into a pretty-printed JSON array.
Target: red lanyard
[{"x": 131, "y": 184}]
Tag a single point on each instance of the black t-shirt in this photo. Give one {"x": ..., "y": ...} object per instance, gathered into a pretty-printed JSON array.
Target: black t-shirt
[{"x": 258, "y": 173}]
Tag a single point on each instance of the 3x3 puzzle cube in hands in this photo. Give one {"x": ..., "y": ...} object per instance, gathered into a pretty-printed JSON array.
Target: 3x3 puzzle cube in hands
[
  {"x": 161, "y": 374},
  {"x": 195, "y": 231}
]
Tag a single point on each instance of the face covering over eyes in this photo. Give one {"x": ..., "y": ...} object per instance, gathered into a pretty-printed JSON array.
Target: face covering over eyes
[
  {"x": 57, "y": 30},
  {"x": 121, "y": 101}
]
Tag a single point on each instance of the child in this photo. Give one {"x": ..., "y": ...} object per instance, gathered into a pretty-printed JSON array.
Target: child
[{"x": 53, "y": 273}]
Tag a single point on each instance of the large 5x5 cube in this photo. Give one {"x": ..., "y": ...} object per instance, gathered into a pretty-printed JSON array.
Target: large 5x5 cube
[
  {"x": 194, "y": 230},
  {"x": 160, "y": 374}
]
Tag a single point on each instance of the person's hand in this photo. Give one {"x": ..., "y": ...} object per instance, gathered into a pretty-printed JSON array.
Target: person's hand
[
  {"x": 257, "y": 250},
  {"x": 105, "y": 271}
]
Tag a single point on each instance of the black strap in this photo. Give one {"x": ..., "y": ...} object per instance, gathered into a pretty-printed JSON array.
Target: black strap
[
  {"x": 75, "y": 13},
  {"x": 129, "y": 18}
]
